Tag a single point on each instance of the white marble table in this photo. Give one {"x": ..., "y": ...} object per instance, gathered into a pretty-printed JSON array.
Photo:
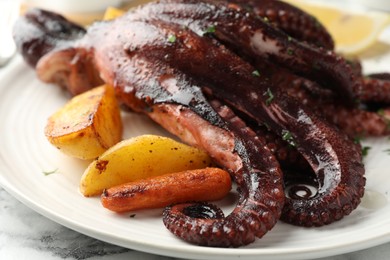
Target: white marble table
[{"x": 24, "y": 234}]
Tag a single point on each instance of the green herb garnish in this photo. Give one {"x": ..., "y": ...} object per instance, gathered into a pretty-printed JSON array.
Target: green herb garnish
[
  {"x": 357, "y": 139},
  {"x": 210, "y": 29},
  {"x": 256, "y": 73},
  {"x": 365, "y": 150},
  {"x": 270, "y": 96},
  {"x": 46, "y": 173},
  {"x": 287, "y": 136},
  {"x": 381, "y": 112},
  {"x": 172, "y": 38},
  {"x": 266, "y": 125},
  {"x": 387, "y": 151},
  {"x": 290, "y": 52}
]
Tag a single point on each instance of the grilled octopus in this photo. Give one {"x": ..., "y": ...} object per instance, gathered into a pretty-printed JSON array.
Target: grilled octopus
[{"x": 199, "y": 69}]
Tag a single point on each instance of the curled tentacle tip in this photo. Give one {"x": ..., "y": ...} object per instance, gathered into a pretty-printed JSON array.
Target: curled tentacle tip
[{"x": 196, "y": 210}]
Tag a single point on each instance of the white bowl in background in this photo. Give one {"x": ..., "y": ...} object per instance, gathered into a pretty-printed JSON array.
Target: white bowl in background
[
  {"x": 380, "y": 5},
  {"x": 74, "y": 6}
]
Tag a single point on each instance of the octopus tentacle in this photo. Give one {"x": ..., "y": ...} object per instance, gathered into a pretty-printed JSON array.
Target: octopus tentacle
[
  {"x": 322, "y": 146},
  {"x": 294, "y": 211},
  {"x": 42, "y": 32},
  {"x": 166, "y": 93},
  {"x": 325, "y": 104},
  {"x": 298, "y": 176},
  {"x": 297, "y": 173},
  {"x": 163, "y": 63},
  {"x": 72, "y": 69},
  {"x": 293, "y": 21},
  {"x": 354, "y": 121},
  {"x": 381, "y": 76},
  {"x": 257, "y": 210},
  {"x": 357, "y": 122},
  {"x": 256, "y": 38},
  {"x": 51, "y": 35},
  {"x": 376, "y": 89},
  {"x": 286, "y": 154},
  {"x": 356, "y": 66}
]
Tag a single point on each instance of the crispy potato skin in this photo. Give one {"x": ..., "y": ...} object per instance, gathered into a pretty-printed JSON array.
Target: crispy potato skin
[
  {"x": 139, "y": 158},
  {"x": 87, "y": 125},
  {"x": 194, "y": 185}
]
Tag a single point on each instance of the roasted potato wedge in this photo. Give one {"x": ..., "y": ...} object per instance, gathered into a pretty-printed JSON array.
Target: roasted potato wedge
[
  {"x": 139, "y": 158},
  {"x": 157, "y": 192},
  {"x": 112, "y": 13},
  {"x": 87, "y": 125}
]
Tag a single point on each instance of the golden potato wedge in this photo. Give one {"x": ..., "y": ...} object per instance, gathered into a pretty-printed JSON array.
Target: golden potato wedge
[
  {"x": 112, "y": 13},
  {"x": 87, "y": 125},
  {"x": 172, "y": 188},
  {"x": 139, "y": 158}
]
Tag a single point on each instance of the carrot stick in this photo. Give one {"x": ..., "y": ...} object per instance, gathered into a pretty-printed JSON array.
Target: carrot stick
[{"x": 156, "y": 192}]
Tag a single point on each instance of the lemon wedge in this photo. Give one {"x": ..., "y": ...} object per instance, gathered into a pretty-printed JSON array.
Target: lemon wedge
[{"x": 353, "y": 31}]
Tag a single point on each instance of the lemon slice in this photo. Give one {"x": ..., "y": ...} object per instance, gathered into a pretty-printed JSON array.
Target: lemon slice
[{"x": 352, "y": 31}]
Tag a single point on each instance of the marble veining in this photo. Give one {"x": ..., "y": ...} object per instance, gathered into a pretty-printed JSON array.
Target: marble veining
[{"x": 25, "y": 234}]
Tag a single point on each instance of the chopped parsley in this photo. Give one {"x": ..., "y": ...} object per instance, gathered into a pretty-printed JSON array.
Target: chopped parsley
[
  {"x": 287, "y": 136},
  {"x": 290, "y": 51},
  {"x": 210, "y": 29},
  {"x": 365, "y": 150},
  {"x": 172, "y": 38},
  {"x": 381, "y": 112},
  {"x": 256, "y": 73},
  {"x": 387, "y": 151},
  {"x": 270, "y": 96},
  {"x": 357, "y": 139},
  {"x": 46, "y": 173}
]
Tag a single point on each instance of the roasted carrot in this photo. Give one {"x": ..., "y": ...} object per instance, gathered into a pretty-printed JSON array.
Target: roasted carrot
[{"x": 192, "y": 185}]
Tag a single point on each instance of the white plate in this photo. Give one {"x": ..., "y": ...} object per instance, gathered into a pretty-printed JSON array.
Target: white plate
[{"x": 25, "y": 154}]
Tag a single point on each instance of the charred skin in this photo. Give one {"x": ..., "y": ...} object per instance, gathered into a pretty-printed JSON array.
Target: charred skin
[
  {"x": 311, "y": 136},
  {"x": 329, "y": 71},
  {"x": 257, "y": 210},
  {"x": 293, "y": 21},
  {"x": 146, "y": 55},
  {"x": 376, "y": 89},
  {"x": 256, "y": 38},
  {"x": 369, "y": 118},
  {"x": 39, "y": 31}
]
